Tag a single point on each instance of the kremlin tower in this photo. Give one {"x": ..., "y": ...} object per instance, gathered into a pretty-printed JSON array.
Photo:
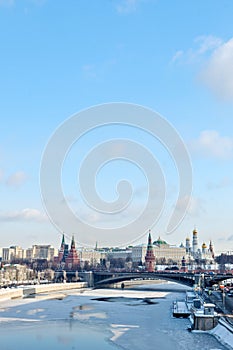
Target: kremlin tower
[
  {"x": 62, "y": 248},
  {"x": 183, "y": 265},
  {"x": 62, "y": 253},
  {"x": 150, "y": 257},
  {"x": 72, "y": 260},
  {"x": 66, "y": 258}
]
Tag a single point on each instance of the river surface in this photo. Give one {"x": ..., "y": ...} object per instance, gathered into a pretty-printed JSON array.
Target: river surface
[
  {"x": 101, "y": 319},
  {"x": 57, "y": 335}
]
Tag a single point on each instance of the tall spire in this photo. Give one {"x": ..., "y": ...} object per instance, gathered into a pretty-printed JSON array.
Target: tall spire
[
  {"x": 150, "y": 258},
  {"x": 149, "y": 240},
  {"x": 63, "y": 240},
  {"x": 72, "y": 242},
  {"x": 61, "y": 256}
]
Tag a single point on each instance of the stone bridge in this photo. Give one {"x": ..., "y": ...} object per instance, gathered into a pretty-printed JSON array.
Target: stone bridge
[{"x": 100, "y": 279}]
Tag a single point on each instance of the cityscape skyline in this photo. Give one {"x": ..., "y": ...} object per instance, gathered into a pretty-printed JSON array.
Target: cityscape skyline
[
  {"x": 192, "y": 243},
  {"x": 58, "y": 59},
  {"x": 155, "y": 252}
]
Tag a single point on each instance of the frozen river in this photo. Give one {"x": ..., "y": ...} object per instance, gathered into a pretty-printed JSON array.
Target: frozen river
[{"x": 100, "y": 319}]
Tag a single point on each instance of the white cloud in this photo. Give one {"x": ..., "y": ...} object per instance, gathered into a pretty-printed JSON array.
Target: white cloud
[
  {"x": 218, "y": 73},
  {"x": 216, "y": 57},
  {"x": 16, "y": 179},
  {"x": 207, "y": 43},
  {"x": 202, "y": 46},
  {"x": 27, "y": 214},
  {"x": 211, "y": 144},
  {"x": 127, "y": 6},
  {"x": 178, "y": 54}
]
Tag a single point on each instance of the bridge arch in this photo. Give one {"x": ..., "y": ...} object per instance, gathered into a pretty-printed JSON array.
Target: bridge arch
[{"x": 105, "y": 280}]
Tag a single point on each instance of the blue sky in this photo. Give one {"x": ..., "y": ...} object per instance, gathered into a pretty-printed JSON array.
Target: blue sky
[{"x": 59, "y": 57}]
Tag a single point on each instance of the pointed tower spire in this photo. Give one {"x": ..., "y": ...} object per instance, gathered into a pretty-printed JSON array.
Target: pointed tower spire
[
  {"x": 72, "y": 260},
  {"x": 72, "y": 242},
  {"x": 149, "y": 238},
  {"x": 62, "y": 249},
  {"x": 63, "y": 239},
  {"x": 150, "y": 258}
]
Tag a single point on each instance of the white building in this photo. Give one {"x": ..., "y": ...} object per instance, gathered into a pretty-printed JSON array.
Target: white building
[
  {"x": 12, "y": 253},
  {"x": 194, "y": 252},
  {"x": 92, "y": 256},
  {"x": 164, "y": 252},
  {"x": 42, "y": 252},
  {"x": 36, "y": 252}
]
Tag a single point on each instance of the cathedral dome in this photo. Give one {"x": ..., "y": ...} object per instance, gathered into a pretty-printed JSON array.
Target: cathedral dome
[{"x": 194, "y": 232}]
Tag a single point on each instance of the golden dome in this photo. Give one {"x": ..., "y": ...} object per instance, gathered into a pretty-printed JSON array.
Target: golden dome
[
  {"x": 194, "y": 232},
  {"x": 204, "y": 246},
  {"x": 187, "y": 239}
]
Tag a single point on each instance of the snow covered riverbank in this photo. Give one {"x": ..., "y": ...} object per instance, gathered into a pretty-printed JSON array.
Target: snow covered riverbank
[
  {"x": 224, "y": 333},
  {"x": 12, "y": 293}
]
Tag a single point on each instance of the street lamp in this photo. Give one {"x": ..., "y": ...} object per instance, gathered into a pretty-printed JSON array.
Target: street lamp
[{"x": 223, "y": 300}]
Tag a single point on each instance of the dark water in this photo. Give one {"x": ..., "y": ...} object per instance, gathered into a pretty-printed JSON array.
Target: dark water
[{"x": 57, "y": 335}]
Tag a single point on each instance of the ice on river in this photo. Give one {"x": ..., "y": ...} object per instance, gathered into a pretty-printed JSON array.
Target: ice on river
[{"x": 133, "y": 319}]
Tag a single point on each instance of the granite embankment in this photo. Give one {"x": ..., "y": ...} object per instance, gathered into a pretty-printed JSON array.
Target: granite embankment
[{"x": 21, "y": 292}]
